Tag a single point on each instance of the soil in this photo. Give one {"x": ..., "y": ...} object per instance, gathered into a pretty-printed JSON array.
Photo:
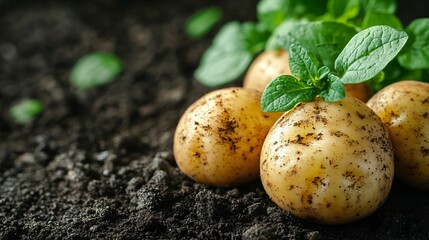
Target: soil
[{"x": 99, "y": 165}]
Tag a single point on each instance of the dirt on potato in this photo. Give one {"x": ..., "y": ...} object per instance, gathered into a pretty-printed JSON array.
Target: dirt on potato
[{"x": 98, "y": 164}]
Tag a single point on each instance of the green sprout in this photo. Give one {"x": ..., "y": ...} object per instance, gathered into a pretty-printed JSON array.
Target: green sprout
[
  {"x": 26, "y": 110},
  {"x": 95, "y": 69},
  {"x": 202, "y": 21}
]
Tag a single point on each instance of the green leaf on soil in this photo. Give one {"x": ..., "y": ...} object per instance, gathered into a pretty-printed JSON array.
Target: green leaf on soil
[
  {"x": 26, "y": 110},
  {"x": 95, "y": 69},
  {"x": 202, "y": 21}
]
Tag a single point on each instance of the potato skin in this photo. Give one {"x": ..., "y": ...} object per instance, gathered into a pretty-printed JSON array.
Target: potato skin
[
  {"x": 271, "y": 64},
  {"x": 218, "y": 139},
  {"x": 404, "y": 109},
  {"x": 360, "y": 91},
  {"x": 330, "y": 163},
  {"x": 266, "y": 67}
]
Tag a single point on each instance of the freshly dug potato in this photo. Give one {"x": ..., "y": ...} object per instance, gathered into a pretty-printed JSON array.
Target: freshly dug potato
[
  {"x": 271, "y": 64},
  {"x": 218, "y": 140},
  {"x": 331, "y": 163},
  {"x": 404, "y": 109},
  {"x": 266, "y": 67}
]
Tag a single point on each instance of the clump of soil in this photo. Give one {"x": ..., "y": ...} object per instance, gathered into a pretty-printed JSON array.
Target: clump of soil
[{"x": 99, "y": 164}]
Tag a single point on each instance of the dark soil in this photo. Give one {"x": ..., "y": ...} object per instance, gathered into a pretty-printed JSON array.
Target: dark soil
[{"x": 99, "y": 164}]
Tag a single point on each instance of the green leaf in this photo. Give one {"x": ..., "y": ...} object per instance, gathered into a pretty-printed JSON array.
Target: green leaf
[
  {"x": 202, "y": 21},
  {"x": 272, "y": 12},
  {"x": 334, "y": 91},
  {"x": 220, "y": 67},
  {"x": 368, "y": 52},
  {"x": 323, "y": 72},
  {"x": 324, "y": 39},
  {"x": 26, "y": 110},
  {"x": 384, "y": 6},
  {"x": 416, "y": 54},
  {"x": 95, "y": 69},
  {"x": 374, "y": 18},
  {"x": 302, "y": 63},
  {"x": 309, "y": 9},
  {"x": 226, "y": 59},
  {"x": 344, "y": 10},
  {"x": 255, "y": 36},
  {"x": 230, "y": 37},
  {"x": 284, "y": 92},
  {"x": 284, "y": 28}
]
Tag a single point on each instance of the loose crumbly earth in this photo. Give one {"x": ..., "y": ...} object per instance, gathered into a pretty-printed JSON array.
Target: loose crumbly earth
[{"x": 99, "y": 164}]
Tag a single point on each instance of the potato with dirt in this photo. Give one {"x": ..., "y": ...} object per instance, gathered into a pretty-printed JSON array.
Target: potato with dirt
[
  {"x": 218, "y": 139},
  {"x": 330, "y": 163},
  {"x": 404, "y": 109},
  {"x": 271, "y": 64}
]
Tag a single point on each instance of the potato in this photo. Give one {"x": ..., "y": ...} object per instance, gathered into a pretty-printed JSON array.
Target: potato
[
  {"x": 331, "y": 163},
  {"x": 404, "y": 109},
  {"x": 218, "y": 139},
  {"x": 266, "y": 67},
  {"x": 360, "y": 91},
  {"x": 271, "y": 64}
]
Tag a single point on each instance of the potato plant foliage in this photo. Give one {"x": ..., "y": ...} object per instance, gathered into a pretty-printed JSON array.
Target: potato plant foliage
[
  {"x": 329, "y": 158},
  {"x": 322, "y": 27}
]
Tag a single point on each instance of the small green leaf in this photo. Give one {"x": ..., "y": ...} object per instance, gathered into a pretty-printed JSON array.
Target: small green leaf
[
  {"x": 302, "y": 63},
  {"x": 368, "y": 52},
  {"x": 221, "y": 67},
  {"x": 373, "y": 18},
  {"x": 95, "y": 69},
  {"x": 335, "y": 89},
  {"x": 416, "y": 54},
  {"x": 202, "y": 21},
  {"x": 26, "y": 110},
  {"x": 284, "y": 92},
  {"x": 323, "y": 72},
  {"x": 324, "y": 39}
]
